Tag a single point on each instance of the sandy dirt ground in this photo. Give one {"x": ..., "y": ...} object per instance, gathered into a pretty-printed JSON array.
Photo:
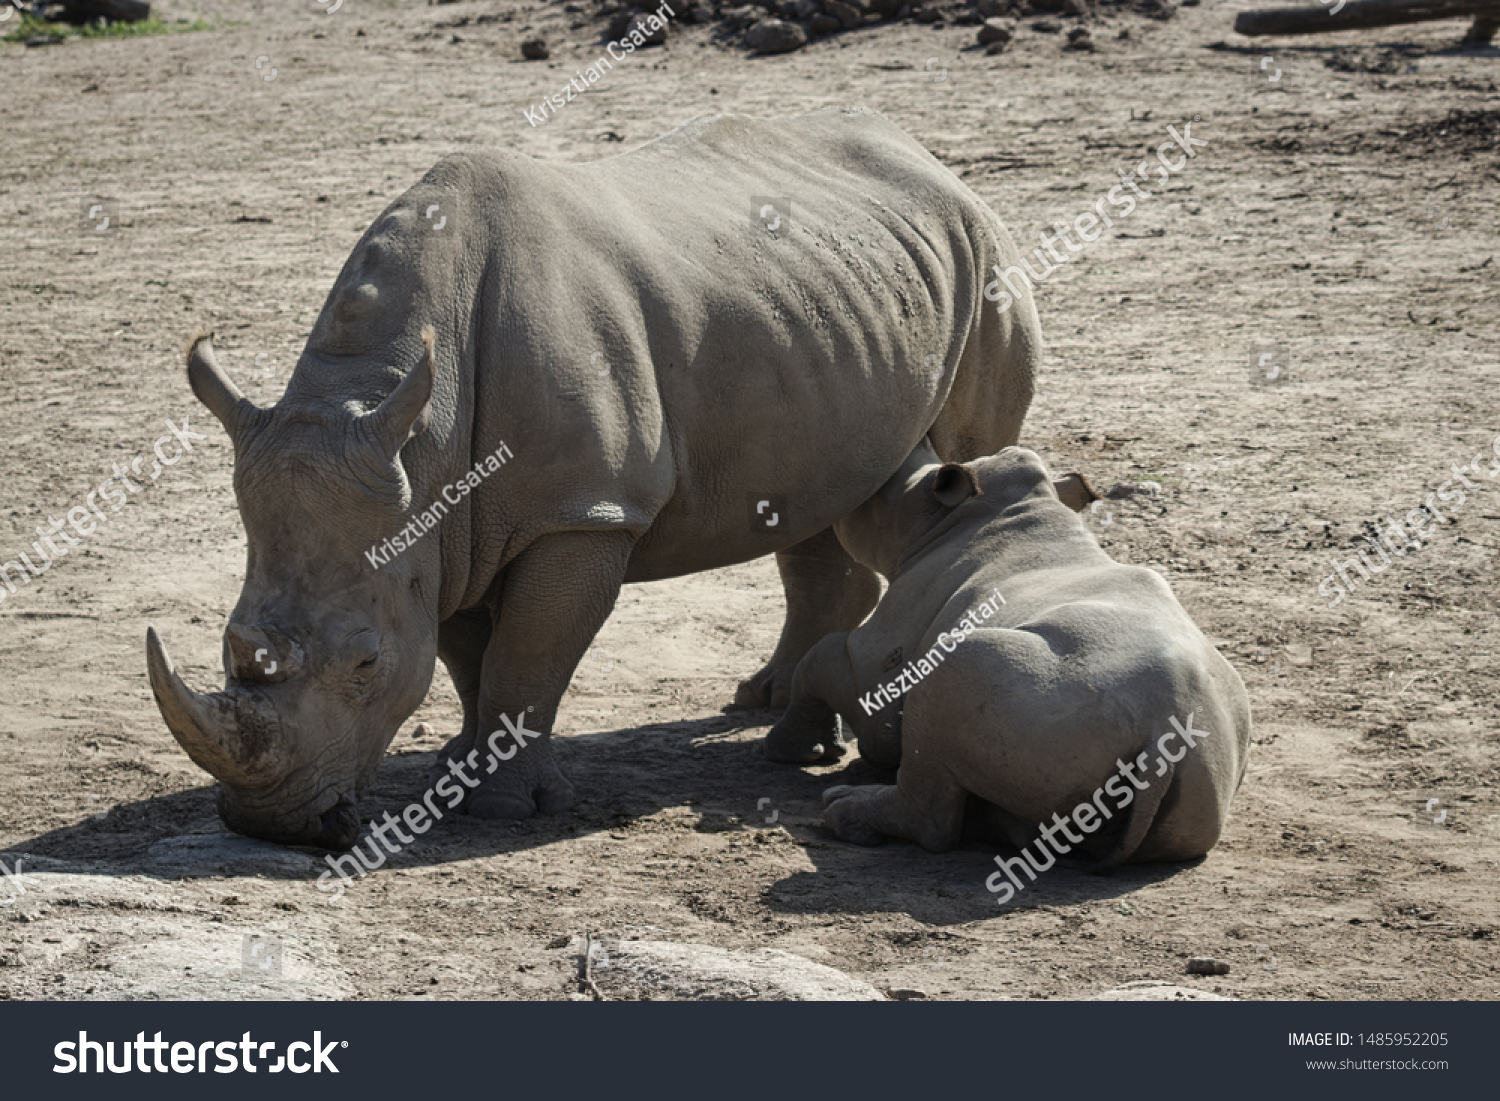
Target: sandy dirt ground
[{"x": 1342, "y": 220}]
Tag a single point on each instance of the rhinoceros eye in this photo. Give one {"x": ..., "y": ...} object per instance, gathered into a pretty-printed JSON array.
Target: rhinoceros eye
[{"x": 364, "y": 650}]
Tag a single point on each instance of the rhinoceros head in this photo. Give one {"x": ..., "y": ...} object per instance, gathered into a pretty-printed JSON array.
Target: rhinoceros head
[
  {"x": 924, "y": 490},
  {"x": 325, "y": 654}
]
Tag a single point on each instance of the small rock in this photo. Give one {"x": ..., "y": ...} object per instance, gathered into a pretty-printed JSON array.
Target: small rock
[
  {"x": 533, "y": 49},
  {"x": 824, "y": 24},
  {"x": 746, "y": 15},
  {"x": 653, "y": 36},
  {"x": 775, "y": 36},
  {"x": 621, "y": 19},
  {"x": 996, "y": 30},
  {"x": 848, "y": 15},
  {"x": 1134, "y": 489},
  {"x": 927, "y": 15},
  {"x": 1201, "y": 965},
  {"x": 1078, "y": 39},
  {"x": 991, "y": 8},
  {"x": 908, "y": 994},
  {"x": 1079, "y": 9}
]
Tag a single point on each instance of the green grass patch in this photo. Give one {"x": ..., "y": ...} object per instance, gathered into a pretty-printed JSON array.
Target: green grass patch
[{"x": 30, "y": 26}]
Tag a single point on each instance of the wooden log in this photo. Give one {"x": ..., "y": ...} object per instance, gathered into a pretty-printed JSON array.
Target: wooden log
[
  {"x": 117, "y": 11},
  {"x": 1359, "y": 15}
]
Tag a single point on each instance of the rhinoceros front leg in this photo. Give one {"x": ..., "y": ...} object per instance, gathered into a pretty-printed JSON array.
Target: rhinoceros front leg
[
  {"x": 822, "y": 688},
  {"x": 826, "y": 592},
  {"x": 554, "y": 599},
  {"x": 462, "y": 641}
]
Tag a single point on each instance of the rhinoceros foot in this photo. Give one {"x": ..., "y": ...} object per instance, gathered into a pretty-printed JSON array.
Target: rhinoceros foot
[
  {"x": 848, "y": 811},
  {"x": 529, "y": 784},
  {"x": 512, "y": 801},
  {"x": 770, "y": 688},
  {"x": 806, "y": 736}
]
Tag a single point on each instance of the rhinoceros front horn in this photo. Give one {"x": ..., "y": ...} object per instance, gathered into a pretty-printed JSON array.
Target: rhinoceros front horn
[{"x": 231, "y": 735}]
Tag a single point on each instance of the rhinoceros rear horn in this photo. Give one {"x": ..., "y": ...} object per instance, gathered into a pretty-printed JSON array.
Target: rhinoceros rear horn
[
  {"x": 409, "y": 408},
  {"x": 231, "y": 735},
  {"x": 214, "y": 388}
]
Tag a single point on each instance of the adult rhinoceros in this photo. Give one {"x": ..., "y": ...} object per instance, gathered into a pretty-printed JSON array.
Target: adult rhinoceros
[{"x": 739, "y": 312}]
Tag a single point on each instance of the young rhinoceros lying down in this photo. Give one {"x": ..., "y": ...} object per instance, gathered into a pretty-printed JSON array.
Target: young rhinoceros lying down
[{"x": 1013, "y": 660}]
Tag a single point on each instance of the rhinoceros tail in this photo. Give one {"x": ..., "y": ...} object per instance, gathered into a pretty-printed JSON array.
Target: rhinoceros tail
[{"x": 1158, "y": 773}]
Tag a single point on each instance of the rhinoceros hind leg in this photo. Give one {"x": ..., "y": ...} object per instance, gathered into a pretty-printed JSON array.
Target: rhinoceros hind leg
[
  {"x": 926, "y": 805},
  {"x": 826, "y": 591}
]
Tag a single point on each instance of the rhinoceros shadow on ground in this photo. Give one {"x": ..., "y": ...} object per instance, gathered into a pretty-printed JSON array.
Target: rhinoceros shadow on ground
[{"x": 647, "y": 784}]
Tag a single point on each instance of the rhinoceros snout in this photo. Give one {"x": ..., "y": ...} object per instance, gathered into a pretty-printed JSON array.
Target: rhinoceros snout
[{"x": 336, "y": 828}]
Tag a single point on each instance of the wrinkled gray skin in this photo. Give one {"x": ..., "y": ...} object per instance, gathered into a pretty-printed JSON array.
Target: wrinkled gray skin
[
  {"x": 1084, "y": 665},
  {"x": 653, "y": 355}
]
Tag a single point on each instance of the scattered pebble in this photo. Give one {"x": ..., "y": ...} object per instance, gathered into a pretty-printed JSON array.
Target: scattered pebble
[
  {"x": 1134, "y": 489},
  {"x": 996, "y": 31},
  {"x": 1202, "y": 965},
  {"x": 775, "y": 36}
]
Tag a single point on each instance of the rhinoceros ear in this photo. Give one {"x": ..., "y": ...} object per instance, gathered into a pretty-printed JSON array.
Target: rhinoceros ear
[
  {"x": 1075, "y": 491},
  {"x": 407, "y": 412},
  {"x": 952, "y": 485},
  {"x": 214, "y": 388}
]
